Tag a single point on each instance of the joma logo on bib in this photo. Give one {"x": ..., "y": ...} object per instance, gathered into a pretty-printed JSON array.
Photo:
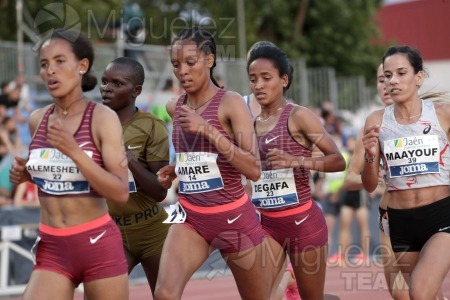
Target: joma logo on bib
[
  {"x": 57, "y": 186},
  {"x": 419, "y": 168},
  {"x": 195, "y": 186},
  {"x": 279, "y": 201}
]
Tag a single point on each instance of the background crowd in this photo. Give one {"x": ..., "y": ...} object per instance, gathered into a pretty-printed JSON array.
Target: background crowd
[
  {"x": 16, "y": 103},
  {"x": 15, "y": 106}
]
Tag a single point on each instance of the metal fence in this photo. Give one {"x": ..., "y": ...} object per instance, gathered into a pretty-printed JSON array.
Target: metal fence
[{"x": 311, "y": 86}]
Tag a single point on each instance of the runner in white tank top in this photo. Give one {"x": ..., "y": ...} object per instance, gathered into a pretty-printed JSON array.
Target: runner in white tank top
[{"x": 412, "y": 137}]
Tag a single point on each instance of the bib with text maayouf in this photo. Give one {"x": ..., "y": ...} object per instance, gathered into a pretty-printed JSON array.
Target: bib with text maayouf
[{"x": 412, "y": 155}]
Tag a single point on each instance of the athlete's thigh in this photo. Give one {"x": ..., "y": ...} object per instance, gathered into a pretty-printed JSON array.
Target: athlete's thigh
[
  {"x": 434, "y": 262},
  {"x": 394, "y": 277},
  {"x": 151, "y": 268},
  {"x": 111, "y": 288},
  {"x": 274, "y": 257},
  {"x": 407, "y": 262},
  {"x": 131, "y": 260},
  {"x": 183, "y": 253},
  {"x": 388, "y": 259},
  {"x": 250, "y": 273},
  {"x": 48, "y": 285},
  {"x": 310, "y": 269}
]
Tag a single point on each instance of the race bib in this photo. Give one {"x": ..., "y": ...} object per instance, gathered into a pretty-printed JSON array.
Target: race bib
[
  {"x": 198, "y": 172},
  {"x": 275, "y": 188},
  {"x": 55, "y": 173},
  {"x": 412, "y": 155}
]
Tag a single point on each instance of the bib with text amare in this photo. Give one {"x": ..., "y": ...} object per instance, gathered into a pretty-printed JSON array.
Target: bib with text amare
[
  {"x": 198, "y": 172},
  {"x": 412, "y": 155},
  {"x": 55, "y": 173},
  {"x": 275, "y": 188}
]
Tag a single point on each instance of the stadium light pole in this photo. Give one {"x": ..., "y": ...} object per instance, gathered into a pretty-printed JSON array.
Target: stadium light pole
[
  {"x": 241, "y": 29},
  {"x": 19, "y": 20}
]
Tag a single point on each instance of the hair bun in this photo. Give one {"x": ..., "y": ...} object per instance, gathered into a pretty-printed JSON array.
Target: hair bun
[{"x": 88, "y": 81}]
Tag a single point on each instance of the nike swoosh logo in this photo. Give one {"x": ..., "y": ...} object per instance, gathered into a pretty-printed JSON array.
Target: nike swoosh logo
[
  {"x": 83, "y": 144},
  {"x": 233, "y": 220},
  {"x": 272, "y": 139},
  {"x": 94, "y": 240},
  {"x": 445, "y": 228},
  {"x": 301, "y": 221},
  {"x": 135, "y": 147}
]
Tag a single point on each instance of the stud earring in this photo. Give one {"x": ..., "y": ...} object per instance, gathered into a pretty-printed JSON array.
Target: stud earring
[{"x": 82, "y": 72}]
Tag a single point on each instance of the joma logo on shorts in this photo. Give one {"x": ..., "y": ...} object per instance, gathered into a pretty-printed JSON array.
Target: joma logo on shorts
[{"x": 195, "y": 186}]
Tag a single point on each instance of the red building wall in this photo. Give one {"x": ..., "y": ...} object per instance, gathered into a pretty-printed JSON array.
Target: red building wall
[{"x": 424, "y": 24}]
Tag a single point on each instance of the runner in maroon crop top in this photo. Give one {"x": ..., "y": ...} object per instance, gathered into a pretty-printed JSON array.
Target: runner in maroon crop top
[
  {"x": 286, "y": 133},
  {"x": 215, "y": 143},
  {"x": 77, "y": 160}
]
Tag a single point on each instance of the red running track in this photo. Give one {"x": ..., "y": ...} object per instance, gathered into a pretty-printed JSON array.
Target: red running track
[{"x": 348, "y": 283}]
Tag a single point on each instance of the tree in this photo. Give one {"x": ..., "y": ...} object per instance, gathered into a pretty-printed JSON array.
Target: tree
[
  {"x": 339, "y": 33},
  {"x": 342, "y": 34},
  {"x": 7, "y": 20},
  {"x": 92, "y": 17}
]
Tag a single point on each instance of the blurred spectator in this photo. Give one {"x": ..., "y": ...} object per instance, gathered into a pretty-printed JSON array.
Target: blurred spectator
[
  {"x": 3, "y": 112},
  {"x": 160, "y": 99},
  {"x": 331, "y": 122},
  {"x": 10, "y": 146},
  {"x": 26, "y": 194},
  {"x": 15, "y": 99},
  {"x": 9, "y": 137},
  {"x": 5, "y": 201},
  {"x": 20, "y": 93},
  {"x": 317, "y": 188},
  {"x": 354, "y": 204},
  {"x": 328, "y": 106},
  {"x": 4, "y": 97},
  {"x": 330, "y": 202},
  {"x": 317, "y": 111},
  {"x": 158, "y": 108}
]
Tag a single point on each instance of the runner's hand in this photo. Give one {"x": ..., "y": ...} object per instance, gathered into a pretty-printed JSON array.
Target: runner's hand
[
  {"x": 166, "y": 176},
  {"x": 370, "y": 140},
  {"x": 18, "y": 172}
]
